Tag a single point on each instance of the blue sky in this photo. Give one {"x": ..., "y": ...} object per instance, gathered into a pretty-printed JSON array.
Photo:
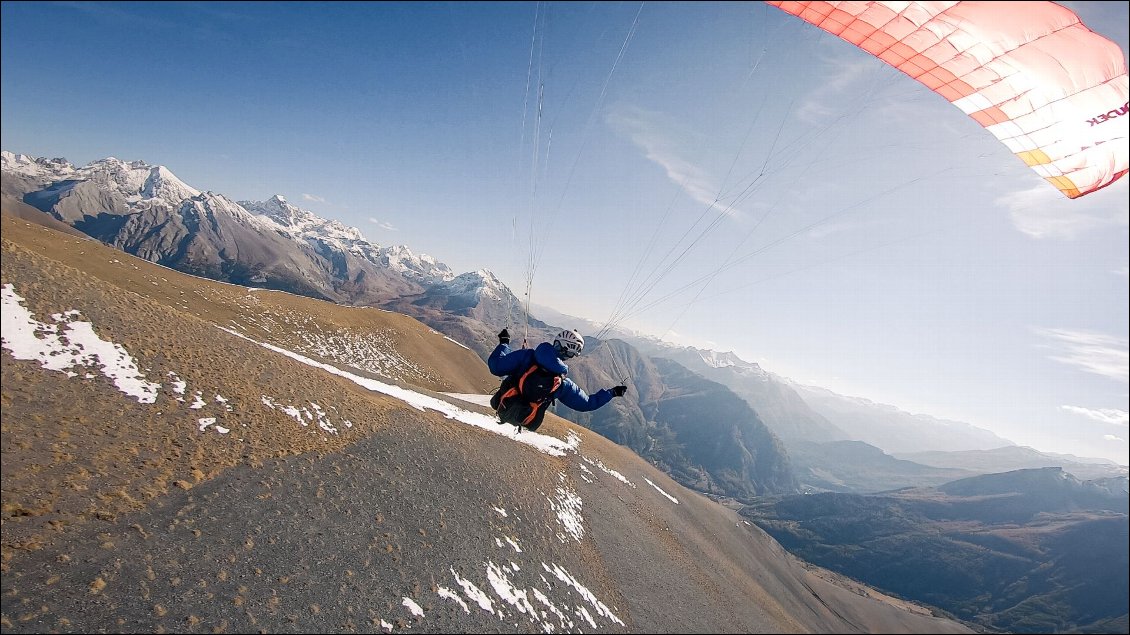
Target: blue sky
[{"x": 868, "y": 237}]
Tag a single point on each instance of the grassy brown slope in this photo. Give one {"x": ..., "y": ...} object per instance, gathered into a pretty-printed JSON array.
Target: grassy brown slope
[
  {"x": 267, "y": 316},
  {"x": 119, "y": 516},
  {"x": 72, "y": 454}
]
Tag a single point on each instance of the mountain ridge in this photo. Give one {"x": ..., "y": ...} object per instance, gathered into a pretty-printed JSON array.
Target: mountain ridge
[
  {"x": 744, "y": 377},
  {"x": 258, "y": 491},
  {"x": 275, "y": 244},
  {"x": 428, "y": 290},
  {"x": 744, "y": 446}
]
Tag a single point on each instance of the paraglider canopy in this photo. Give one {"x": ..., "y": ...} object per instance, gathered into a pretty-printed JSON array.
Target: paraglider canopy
[{"x": 1050, "y": 89}]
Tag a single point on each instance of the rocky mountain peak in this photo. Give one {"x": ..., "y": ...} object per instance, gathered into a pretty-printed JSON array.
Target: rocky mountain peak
[{"x": 35, "y": 167}]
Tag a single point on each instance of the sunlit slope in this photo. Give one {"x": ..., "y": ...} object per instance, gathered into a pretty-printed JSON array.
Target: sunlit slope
[{"x": 252, "y": 489}]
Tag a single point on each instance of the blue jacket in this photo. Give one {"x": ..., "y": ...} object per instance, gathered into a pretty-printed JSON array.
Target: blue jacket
[{"x": 504, "y": 361}]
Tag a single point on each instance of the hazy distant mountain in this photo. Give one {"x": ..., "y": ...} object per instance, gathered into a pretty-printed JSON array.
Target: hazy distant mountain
[
  {"x": 817, "y": 436},
  {"x": 1052, "y": 488},
  {"x": 778, "y": 405},
  {"x": 183, "y": 455},
  {"x": 1029, "y": 551},
  {"x": 857, "y": 467},
  {"x": 805, "y": 415},
  {"x": 832, "y": 441},
  {"x": 695, "y": 429},
  {"x": 893, "y": 430},
  {"x": 1017, "y": 458},
  {"x": 584, "y": 325},
  {"x": 796, "y": 412},
  {"x": 822, "y": 456}
]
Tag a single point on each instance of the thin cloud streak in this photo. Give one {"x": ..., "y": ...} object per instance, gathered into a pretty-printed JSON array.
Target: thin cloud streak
[
  {"x": 383, "y": 224},
  {"x": 1091, "y": 352},
  {"x": 1042, "y": 212},
  {"x": 115, "y": 14},
  {"x": 312, "y": 198},
  {"x": 643, "y": 129},
  {"x": 1106, "y": 415},
  {"x": 827, "y": 101},
  {"x": 828, "y": 229}
]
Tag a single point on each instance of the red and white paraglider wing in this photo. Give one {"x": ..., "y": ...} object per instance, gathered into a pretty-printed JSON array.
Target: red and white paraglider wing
[{"x": 1053, "y": 91}]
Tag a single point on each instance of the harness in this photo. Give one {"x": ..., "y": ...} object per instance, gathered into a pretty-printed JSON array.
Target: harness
[{"x": 523, "y": 399}]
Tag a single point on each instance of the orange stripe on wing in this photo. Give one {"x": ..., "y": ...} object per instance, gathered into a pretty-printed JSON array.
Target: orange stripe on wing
[
  {"x": 1034, "y": 157},
  {"x": 989, "y": 116},
  {"x": 1065, "y": 185}
]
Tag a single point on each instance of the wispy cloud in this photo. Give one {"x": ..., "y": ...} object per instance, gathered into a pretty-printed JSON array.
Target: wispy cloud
[
  {"x": 1123, "y": 272},
  {"x": 1111, "y": 437},
  {"x": 1106, "y": 415},
  {"x": 206, "y": 25},
  {"x": 827, "y": 102},
  {"x": 1042, "y": 212},
  {"x": 383, "y": 225},
  {"x": 313, "y": 199},
  {"x": 651, "y": 132},
  {"x": 827, "y": 229},
  {"x": 114, "y": 14},
  {"x": 1092, "y": 352}
]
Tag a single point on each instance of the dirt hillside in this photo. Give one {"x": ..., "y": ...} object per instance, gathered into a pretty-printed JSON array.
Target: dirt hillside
[{"x": 236, "y": 460}]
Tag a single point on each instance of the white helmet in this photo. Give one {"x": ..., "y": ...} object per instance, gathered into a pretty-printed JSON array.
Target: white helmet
[{"x": 568, "y": 343}]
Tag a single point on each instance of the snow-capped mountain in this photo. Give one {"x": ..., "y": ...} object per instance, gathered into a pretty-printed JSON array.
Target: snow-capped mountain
[
  {"x": 422, "y": 268},
  {"x": 730, "y": 360},
  {"x": 31, "y": 166},
  {"x": 470, "y": 307},
  {"x": 478, "y": 284},
  {"x": 304, "y": 225},
  {"x": 143, "y": 186},
  {"x": 147, "y": 211},
  {"x": 112, "y": 187},
  {"x": 137, "y": 181}
]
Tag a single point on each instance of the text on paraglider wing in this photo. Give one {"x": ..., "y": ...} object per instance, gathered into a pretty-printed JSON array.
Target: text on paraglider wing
[{"x": 1110, "y": 115}]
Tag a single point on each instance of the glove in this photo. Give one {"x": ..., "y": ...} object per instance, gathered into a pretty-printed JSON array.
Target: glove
[
  {"x": 619, "y": 391},
  {"x": 504, "y": 337}
]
